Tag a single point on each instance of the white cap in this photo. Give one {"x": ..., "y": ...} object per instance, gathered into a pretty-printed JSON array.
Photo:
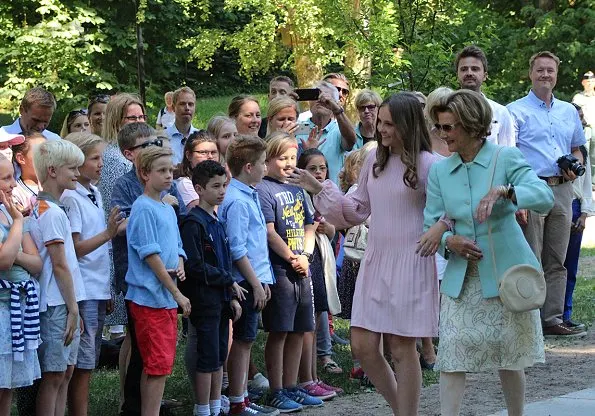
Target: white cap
[{"x": 12, "y": 139}]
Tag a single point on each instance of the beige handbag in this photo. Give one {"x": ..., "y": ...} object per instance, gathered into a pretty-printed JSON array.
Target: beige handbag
[{"x": 521, "y": 287}]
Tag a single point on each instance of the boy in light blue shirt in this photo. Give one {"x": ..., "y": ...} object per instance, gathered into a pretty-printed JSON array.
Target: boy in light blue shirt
[
  {"x": 247, "y": 233},
  {"x": 155, "y": 261}
]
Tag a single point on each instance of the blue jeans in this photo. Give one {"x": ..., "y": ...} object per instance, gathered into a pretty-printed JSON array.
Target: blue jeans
[{"x": 571, "y": 262}]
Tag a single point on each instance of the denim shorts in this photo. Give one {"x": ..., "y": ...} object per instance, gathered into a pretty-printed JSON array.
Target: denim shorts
[
  {"x": 246, "y": 328},
  {"x": 93, "y": 315},
  {"x": 53, "y": 355},
  {"x": 212, "y": 339}
]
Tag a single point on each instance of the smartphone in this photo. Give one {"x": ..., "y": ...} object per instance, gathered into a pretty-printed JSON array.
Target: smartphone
[
  {"x": 307, "y": 94},
  {"x": 304, "y": 128}
]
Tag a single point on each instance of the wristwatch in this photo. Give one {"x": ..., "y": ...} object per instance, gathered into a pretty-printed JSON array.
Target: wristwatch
[
  {"x": 342, "y": 110},
  {"x": 308, "y": 256},
  {"x": 510, "y": 192}
]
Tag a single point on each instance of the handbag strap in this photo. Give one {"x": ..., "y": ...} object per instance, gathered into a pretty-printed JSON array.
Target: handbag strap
[{"x": 488, "y": 219}]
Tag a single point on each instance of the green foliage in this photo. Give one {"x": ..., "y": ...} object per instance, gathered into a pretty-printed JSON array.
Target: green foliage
[
  {"x": 50, "y": 43},
  {"x": 76, "y": 48}
]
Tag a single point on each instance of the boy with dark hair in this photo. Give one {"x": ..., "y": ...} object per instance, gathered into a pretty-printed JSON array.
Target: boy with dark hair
[{"x": 209, "y": 285}]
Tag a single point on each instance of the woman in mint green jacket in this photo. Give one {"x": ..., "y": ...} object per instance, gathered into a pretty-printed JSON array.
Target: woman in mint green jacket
[{"x": 476, "y": 332}]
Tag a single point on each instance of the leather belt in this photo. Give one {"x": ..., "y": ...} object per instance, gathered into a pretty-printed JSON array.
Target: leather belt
[{"x": 553, "y": 180}]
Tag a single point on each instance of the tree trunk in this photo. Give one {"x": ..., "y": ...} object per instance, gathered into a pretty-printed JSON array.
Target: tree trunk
[{"x": 357, "y": 66}]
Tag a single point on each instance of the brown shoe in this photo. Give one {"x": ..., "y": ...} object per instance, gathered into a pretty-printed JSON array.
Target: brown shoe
[{"x": 561, "y": 330}]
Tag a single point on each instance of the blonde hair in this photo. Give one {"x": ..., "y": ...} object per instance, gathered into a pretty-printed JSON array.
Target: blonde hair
[
  {"x": 183, "y": 90},
  {"x": 84, "y": 140},
  {"x": 216, "y": 123},
  {"x": 278, "y": 143},
  {"x": 276, "y": 105},
  {"x": 434, "y": 99},
  {"x": 55, "y": 153},
  {"x": 543, "y": 54},
  {"x": 114, "y": 114},
  {"x": 147, "y": 156},
  {"x": 349, "y": 175},
  {"x": 367, "y": 96},
  {"x": 470, "y": 108}
]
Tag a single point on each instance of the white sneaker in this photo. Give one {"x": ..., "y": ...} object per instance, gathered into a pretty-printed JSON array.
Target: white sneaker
[
  {"x": 225, "y": 404},
  {"x": 259, "y": 382}
]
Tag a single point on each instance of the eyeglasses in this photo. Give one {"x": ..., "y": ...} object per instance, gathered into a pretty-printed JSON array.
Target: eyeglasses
[
  {"x": 446, "y": 127},
  {"x": 343, "y": 91},
  {"x": 156, "y": 142},
  {"x": 136, "y": 119},
  {"x": 369, "y": 107},
  {"x": 206, "y": 152}
]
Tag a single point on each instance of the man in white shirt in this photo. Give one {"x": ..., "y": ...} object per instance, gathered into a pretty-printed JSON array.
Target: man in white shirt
[
  {"x": 178, "y": 133},
  {"x": 36, "y": 111},
  {"x": 472, "y": 71}
]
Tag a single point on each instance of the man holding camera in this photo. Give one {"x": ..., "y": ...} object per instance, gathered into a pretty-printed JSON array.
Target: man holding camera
[{"x": 549, "y": 133}]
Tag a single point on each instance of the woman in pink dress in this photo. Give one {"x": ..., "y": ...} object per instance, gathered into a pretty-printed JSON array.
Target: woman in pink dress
[{"x": 396, "y": 293}]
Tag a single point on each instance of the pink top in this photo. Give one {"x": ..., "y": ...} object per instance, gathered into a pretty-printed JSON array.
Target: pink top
[{"x": 396, "y": 290}]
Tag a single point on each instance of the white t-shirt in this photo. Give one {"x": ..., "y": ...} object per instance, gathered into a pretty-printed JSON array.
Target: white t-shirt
[
  {"x": 88, "y": 219},
  {"x": 165, "y": 118},
  {"x": 50, "y": 225},
  {"x": 186, "y": 190}
]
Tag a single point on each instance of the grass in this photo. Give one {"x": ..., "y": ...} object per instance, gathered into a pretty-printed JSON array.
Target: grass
[{"x": 105, "y": 383}]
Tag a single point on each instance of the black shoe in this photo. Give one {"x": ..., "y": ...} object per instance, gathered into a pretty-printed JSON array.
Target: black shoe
[
  {"x": 574, "y": 325},
  {"x": 336, "y": 339}
]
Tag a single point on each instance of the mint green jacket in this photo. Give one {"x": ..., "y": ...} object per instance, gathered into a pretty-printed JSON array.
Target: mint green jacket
[{"x": 454, "y": 190}]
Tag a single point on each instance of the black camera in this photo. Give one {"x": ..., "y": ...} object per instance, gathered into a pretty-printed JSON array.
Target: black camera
[{"x": 572, "y": 164}]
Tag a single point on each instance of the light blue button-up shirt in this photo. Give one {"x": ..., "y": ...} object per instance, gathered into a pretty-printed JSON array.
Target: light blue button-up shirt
[
  {"x": 544, "y": 134},
  {"x": 15, "y": 128},
  {"x": 177, "y": 141},
  {"x": 246, "y": 230}
]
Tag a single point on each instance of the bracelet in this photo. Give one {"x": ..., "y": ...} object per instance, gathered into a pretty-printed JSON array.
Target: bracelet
[{"x": 502, "y": 191}]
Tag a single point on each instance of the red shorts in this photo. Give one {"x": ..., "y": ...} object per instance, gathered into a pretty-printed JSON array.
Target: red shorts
[{"x": 156, "y": 335}]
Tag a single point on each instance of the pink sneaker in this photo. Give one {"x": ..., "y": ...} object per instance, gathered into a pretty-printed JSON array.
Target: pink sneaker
[
  {"x": 337, "y": 390},
  {"x": 315, "y": 390}
]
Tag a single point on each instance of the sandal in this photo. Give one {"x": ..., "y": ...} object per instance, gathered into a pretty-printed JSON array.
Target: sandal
[{"x": 332, "y": 367}]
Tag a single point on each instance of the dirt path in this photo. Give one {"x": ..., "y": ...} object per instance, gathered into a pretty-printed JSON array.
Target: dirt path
[{"x": 569, "y": 366}]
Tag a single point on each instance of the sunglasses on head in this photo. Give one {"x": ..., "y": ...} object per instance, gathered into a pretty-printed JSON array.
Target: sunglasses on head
[
  {"x": 157, "y": 142},
  {"x": 99, "y": 98},
  {"x": 76, "y": 113},
  {"x": 445, "y": 127},
  {"x": 343, "y": 91}
]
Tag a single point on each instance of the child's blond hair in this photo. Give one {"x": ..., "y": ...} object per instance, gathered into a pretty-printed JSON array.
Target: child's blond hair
[
  {"x": 278, "y": 143},
  {"x": 55, "y": 153},
  {"x": 353, "y": 165},
  {"x": 84, "y": 140},
  {"x": 146, "y": 157}
]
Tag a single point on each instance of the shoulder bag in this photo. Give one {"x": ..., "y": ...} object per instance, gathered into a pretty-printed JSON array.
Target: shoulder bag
[{"x": 521, "y": 287}]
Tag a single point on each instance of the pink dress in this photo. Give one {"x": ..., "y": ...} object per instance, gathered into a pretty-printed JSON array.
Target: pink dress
[{"x": 396, "y": 290}]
